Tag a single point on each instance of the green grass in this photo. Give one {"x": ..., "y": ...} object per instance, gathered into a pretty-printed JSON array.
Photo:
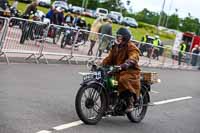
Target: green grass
[{"x": 137, "y": 32}]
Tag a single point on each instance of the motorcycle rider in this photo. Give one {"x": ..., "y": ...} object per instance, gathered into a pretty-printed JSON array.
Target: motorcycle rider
[
  {"x": 125, "y": 54},
  {"x": 69, "y": 19},
  {"x": 81, "y": 23}
]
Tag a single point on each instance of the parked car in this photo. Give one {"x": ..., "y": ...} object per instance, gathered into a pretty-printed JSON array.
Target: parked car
[
  {"x": 101, "y": 12},
  {"x": 77, "y": 9},
  {"x": 45, "y": 3},
  {"x": 116, "y": 17},
  {"x": 61, "y": 4},
  {"x": 130, "y": 22},
  {"x": 88, "y": 13}
]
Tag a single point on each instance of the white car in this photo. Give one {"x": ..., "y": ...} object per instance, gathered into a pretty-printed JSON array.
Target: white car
[
  {"x": 101, "y": 12},
  {"x": 61, "y": 4},
  {"x": 45, "y": 3}
]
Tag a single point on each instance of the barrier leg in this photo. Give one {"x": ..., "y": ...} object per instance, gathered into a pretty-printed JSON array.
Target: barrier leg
[{"x": 37, "y": 62}]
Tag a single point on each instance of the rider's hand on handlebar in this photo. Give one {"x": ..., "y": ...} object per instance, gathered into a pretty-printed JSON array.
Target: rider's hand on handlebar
[{"x": 115, "y": 69}]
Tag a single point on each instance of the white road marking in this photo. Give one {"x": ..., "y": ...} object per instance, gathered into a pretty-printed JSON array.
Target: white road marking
[
  {"x": 77, "y": 123},
  {"x": 69, "y": 125},
  {"x": 172, "y": 100},
  {"x": 44, "y": 131},
  {"x": 156, "y": 92}
]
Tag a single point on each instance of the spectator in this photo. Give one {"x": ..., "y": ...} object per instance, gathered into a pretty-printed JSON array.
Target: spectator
[
  {"x": 69, "y": 19},
  {"x": 58, "y": 16},
  {"x": 93, "y": 36},
  {"x": 76, "y": 19},
  {"x": 143, "y": 45},
  {"x": 50, "y": 12},
  {"x": 30, "y": 10},
  {"x": 195, "y": 52},
  {"x": 156, "y": 44},
  {"x": 3, "y": 4},
  {"x": 182, "y": 49},
  {"x": 106, "y": 29}
]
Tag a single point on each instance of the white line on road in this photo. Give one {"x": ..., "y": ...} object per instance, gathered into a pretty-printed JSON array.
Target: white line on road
[
  {"x": 172, "y": 100},
  {"x": 156, "y": 92},
  {"x": 65, "y": 126},
  {"x": 77, "y": 123}
]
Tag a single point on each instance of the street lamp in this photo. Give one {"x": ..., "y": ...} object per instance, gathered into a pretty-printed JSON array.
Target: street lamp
[{"x": 161, "y": 13}]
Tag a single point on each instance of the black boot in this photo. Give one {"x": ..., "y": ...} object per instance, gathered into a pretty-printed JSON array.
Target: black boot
[{"x": 130, "y": 106}]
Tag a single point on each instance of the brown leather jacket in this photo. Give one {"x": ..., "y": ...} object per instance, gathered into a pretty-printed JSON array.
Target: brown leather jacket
[{"x": 128, "y": 79}]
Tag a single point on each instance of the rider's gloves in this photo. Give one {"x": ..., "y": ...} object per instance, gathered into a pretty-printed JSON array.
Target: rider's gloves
[{"x": 128, "y": 64}]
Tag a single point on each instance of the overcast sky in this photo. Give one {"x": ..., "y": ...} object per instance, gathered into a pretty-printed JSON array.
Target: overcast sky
[{"x": 183, "y": 6}]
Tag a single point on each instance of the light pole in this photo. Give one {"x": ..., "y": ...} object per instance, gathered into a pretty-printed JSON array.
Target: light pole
[
  {"x": 169, "y": 13},
  {"x": 161, "y": 13}
]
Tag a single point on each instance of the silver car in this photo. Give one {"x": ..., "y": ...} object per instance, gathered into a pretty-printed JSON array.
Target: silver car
[{"x": 128, "y": 21}]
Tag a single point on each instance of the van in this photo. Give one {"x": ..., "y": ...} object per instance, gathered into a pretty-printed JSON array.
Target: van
[{"x": 101, "y": 12}]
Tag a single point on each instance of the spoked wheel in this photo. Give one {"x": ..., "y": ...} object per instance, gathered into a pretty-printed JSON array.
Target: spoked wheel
[
  {"x": 90, "y": 104},
  {"x": 137, "y": 115}
]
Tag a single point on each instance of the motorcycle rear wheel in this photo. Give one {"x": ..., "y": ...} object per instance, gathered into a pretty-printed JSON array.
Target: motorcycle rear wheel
[
  {"x": 93, "y": 96},
  {"x": 139, "y": 112}
]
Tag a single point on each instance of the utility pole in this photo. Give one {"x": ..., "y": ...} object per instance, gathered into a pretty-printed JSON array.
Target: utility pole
[
  {"x": 169, "y": 13},
  {"x": 84, "y": 4},
  {"x": 161, "y": 13}
]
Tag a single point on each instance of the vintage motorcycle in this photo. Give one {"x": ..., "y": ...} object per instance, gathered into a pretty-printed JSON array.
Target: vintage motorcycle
[{"x": 98, "y": 96}]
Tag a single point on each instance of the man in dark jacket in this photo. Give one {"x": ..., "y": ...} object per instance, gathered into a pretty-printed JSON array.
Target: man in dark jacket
[
  {"x": 106, "y": 31},
  {"x": 3, "y": 4},
  {"x": 30, "y": 10}
]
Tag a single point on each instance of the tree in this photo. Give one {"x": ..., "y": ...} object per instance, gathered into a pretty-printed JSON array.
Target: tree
[
  {"x": 190, "y": 24},
  {"x": 173, "y": 21}
]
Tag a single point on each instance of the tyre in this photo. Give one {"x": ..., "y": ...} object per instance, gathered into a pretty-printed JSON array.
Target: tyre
[
  {"x": 90, "y": 104},
  {"x": 139, "y": 112},
  {"x": 63, "y": 43}
]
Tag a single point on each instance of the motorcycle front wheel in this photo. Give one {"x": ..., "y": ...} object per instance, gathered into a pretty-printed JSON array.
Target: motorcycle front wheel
[
  {"x": 90, "y": 104},
  {"x": 139, "y": 112}
]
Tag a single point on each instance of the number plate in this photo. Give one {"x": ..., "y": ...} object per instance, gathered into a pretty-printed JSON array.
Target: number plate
[{"x": 88, "y": 77}]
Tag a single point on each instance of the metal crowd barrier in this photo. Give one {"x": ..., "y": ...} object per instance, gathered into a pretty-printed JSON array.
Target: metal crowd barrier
[
  {"x": 24, "y": 37},
  {"x": 42, "y": 40},
  {"x": 58, "y": 42},
  {"x": 3, "y": 29},
  {"x": 86, "y": 45}
]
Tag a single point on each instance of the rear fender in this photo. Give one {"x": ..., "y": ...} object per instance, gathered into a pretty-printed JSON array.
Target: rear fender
[{"x": 146, "y": 88}]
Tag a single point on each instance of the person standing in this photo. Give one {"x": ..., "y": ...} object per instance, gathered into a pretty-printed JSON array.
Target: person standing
[
  {"x": 30, "y": 10},
  {"x": 182, "y": 49},
  {"x": 143, "y": 45},
  {"x": 106, "y": 31},
  {"x": 195, "y": 52},
  {"x": 155, "y": 51},
  {"x": 93, "y": 36},
  {"x": 3, "y": 4}
]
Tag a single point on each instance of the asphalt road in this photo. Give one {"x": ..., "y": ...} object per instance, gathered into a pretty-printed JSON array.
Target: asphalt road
[{"x": 39, "y": 97}]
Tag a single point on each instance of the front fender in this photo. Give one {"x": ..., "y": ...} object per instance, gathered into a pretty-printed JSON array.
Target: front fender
[{"x": 86, "y": 83}]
